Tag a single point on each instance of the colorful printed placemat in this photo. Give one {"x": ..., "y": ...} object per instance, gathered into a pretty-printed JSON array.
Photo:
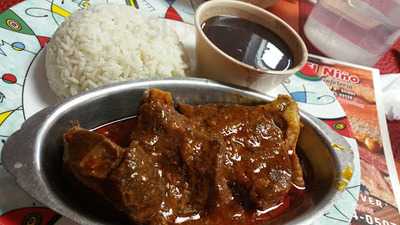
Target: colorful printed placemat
[{"x": 27, "y": 27}]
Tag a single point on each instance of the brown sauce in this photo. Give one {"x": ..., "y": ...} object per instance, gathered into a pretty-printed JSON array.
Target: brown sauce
[
  {"x": 118, "y": 131},
  {"x": 248, "y": 42},
  {"x": 296, "y": 200}
]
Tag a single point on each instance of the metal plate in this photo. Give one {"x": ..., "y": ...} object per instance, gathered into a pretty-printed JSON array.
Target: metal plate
[{"x": 34, "y": 153}]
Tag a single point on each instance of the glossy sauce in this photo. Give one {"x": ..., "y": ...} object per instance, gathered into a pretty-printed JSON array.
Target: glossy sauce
[
  {"x": 297, "y": 199},
  {"x": 248, "y": 42},
  {"x": 118, "y": 131}
]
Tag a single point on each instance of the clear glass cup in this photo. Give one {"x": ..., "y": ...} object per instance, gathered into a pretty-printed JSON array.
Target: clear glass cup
[{"x": 357, "y": 31}]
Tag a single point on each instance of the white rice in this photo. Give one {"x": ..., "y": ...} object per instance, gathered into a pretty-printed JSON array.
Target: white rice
[{"x": 111, "y": 43}]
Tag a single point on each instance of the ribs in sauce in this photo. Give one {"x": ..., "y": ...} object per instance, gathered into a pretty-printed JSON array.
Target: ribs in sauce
[{"x": 181, "y": 164}]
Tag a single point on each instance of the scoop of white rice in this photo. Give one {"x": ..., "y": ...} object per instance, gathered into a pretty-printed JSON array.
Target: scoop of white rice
[{"x": 110, "y": 43}]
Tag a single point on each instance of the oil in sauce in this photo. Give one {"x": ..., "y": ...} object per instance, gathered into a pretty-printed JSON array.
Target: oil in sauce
[
  {"x": 297, "y": 199},
  {"x": 118, "y": 131},
  {"x": 248, "y": 42}
]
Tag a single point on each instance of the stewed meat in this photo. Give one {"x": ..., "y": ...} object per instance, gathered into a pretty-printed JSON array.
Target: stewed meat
[
  {"x": 259, "y": 142},
  {"x": 184, "y": 162}
]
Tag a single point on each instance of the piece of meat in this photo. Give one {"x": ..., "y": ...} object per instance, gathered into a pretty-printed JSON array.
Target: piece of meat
[
  {"x": 188, "y": 162},
  {"x": 90, "y": 156},
  {"x": 183, "y": 153},
  {"x": 128, "y": 178},
  {"x": 136, "y": 186},
  {"x": 259, "y": 157},
  {"x": 285, "y": 108}
]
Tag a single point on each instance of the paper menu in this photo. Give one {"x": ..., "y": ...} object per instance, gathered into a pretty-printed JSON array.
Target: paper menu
[
  {"x": 360, "y": 118},
  {"x": 362, "y": 103}
]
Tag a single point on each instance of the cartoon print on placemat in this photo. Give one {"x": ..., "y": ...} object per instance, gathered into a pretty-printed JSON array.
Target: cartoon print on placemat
[
  {"x": 5, "y": 115},
  {"x": 10, "y": 119},
  {"x": 314, "y": 97},
  {"x": 29, "y": 216},
  {"x": 339, "y": 213},
  {"x": 60, "y": 9},
  {"x": 9, "y": 78},
  {"x": 311, "y": 93},
  {"x": 340, "y": 125},
  {"x": 11, "y": 85},
  {"x": 309, "y": 97},
  {"x": 18, "y": 44},
  {"x": 58, "y": 12},
  {"x": 306, "y": 96},
  {"x": 171, "y": 12},
  {"x": 186, "y": 9},
  {"x": 9, "y": 20},
  {"x": 146, "y": 5},
  {"x": 180, "y": 10},
  {"x": 132, "y": 3}
]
